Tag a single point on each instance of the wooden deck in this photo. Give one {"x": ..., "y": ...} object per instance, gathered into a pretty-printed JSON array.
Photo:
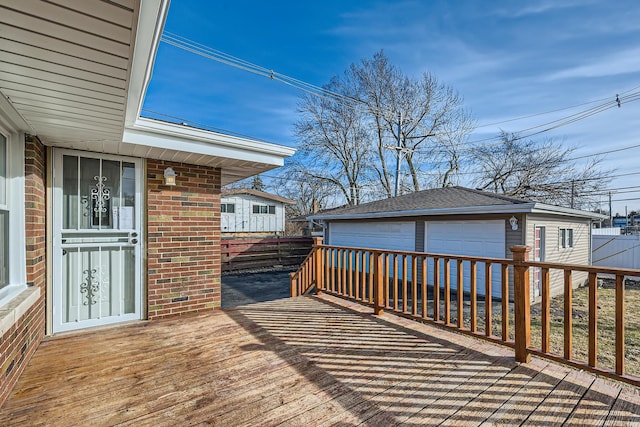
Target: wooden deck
[{"x": 307, "y": 361}]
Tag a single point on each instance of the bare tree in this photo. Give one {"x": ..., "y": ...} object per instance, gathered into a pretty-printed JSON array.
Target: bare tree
[
  {"x": 334, "y": 147},
  {"x": 309, "y": 193},
  {"x": 538, "y": 170},
  {"x": 423, "y": 116}
]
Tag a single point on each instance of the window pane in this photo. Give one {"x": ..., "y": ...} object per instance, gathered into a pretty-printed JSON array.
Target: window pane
[
  {"x": 4, "y": 248},
  {"x": 256, "y": 208},
  {"x": 3, "y": 170},
  {"x": 231, "y": 208},
  {"x": 223, "y": 208},
  {"x": 570, "y": 237},
  {"x": 272, "y": 210},
  {"x": 70, "y": 210}
]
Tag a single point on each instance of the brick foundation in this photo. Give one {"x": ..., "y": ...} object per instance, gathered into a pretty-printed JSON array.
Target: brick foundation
[
  {"x": 22, "y": 339},
  {"x": 183, "y": 239}
]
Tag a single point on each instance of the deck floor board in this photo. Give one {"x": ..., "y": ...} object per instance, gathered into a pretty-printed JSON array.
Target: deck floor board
[{"x": 307, "y": 361}]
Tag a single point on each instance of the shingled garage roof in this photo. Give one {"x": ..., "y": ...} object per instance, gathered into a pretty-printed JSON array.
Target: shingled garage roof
[
  {"x": 257, "y": 193},
  {"x": 447, "y": 201}
]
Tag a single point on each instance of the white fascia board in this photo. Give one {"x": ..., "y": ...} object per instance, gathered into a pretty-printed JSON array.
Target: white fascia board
[
  {"x": 13, "y": 118},
  {"x": 466, "y": 210},
  {"x": 151, "y": 17},
  {"x": 152, "y": 133},
  {"x": 542, "y": 208}
]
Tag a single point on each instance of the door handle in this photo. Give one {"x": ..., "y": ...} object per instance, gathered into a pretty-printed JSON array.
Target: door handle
[{"x": 134, "y": 241}]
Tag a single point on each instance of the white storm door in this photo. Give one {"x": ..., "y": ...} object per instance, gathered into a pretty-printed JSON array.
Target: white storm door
[{"x": 97, "y": 240}]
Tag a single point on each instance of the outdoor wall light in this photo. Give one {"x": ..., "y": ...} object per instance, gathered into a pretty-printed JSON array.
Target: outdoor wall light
[
  {"x": 169, "y": 177},
  {"x": 514, "y": 222}
]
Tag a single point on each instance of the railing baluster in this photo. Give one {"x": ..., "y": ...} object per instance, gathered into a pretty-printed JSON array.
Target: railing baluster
[
  {"x": 593, "y": 319},
  {"x": 546, "y": 310},
  {"x": 460, "y": 293},
  {"x": 436, "y": 289},
  {"x": 568, "y": 317},
  {"x": 363, "y": 277},
  {"x": 344, "y": 271},
  {"x": 395, "y": 282},
  {"x": 387, "y": 279},
  {"x": 350, "y": 254},
  {"x": 488, "y": 299},
  {"x": 447, "y": 291},
  {"x": 404, "y": 283},
  {"x": 505, "y": 302},
  {"x": 414, "y": 283},
  {"x": 620, "y": 324},
  {"x": 379, "y": 291},
  {"x": 357, "y": 274},
  {"x": 424, "y": 287},
  {"x": 371, "y": 267},
  {"x": 473, "y": 297}
]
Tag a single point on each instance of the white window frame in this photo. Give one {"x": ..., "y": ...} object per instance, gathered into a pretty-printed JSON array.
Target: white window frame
[
  {"x": 565, "y": 238},
  {"x": 262, "y": 205},
  {"x": 15, "y": 206}
]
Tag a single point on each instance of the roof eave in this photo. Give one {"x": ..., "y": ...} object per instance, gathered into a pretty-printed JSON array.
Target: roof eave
[
  {"x": 151, "y": 17},
  {"x": 153, "y": 133},
  {"x": 472, "y": 210},
  {"x": 542, "y": 208}
]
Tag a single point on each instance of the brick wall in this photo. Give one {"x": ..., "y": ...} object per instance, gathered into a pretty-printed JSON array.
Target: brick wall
[
  {"x": 22, "y": 339},
  {"x": 183, "y": 235}
]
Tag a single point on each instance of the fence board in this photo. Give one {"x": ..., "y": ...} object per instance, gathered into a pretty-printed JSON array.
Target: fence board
[{"x": 238, "y": 254}]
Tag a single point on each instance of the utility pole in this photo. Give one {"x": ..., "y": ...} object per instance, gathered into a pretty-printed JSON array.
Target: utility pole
[
  {"x": 610, "y": 211},
  {"x": 398, "y": 148},
  {"x": 573, "y": 192}
]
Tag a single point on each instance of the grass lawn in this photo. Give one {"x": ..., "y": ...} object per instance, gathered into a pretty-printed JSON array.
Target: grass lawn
[
  {"x": 606, "y": 325},
  {"x": 580, "y": 315}
]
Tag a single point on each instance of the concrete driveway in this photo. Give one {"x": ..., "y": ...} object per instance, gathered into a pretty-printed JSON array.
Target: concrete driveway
[{"x": 248, "y": 288}]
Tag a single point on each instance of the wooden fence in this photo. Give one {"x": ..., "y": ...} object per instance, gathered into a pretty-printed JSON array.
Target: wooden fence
[
  {"x": 425, "y": 287},
  {"x": 242, "y": 254}
]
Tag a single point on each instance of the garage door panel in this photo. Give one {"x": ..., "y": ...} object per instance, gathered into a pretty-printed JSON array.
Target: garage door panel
[
  {"x": 471, "y": 238},
  {"x": 375, "y": 235},
  {"x": 397, "y": 235}
]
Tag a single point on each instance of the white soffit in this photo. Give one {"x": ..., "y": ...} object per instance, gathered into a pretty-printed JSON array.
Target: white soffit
[
  {"x": 237, "y": 157},
  {"x": 64, "y": 66},
  {"x": 75, "y": 73}
]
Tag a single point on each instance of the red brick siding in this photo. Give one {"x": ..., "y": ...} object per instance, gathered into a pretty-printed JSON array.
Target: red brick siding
[
  {"x": 183, "y": 239},
  {"x": 20, "y": 342}
]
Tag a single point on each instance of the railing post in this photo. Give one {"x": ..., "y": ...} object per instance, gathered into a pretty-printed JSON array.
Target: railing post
[
  {"x": 522, "y": 298},
  {"x": 294, "y": 284},
  {"x": 378, "y": 290},
  {"x": 318, "y": 264}
]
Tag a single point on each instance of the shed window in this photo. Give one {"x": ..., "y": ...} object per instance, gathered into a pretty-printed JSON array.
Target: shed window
[
  {"x": 566, "y": 238},
  {"x": 264, "y": 209},
  {"x": 228, "y": 208}
]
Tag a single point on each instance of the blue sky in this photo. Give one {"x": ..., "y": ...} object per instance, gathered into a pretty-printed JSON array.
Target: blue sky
[{"x": 506, "y": 58}]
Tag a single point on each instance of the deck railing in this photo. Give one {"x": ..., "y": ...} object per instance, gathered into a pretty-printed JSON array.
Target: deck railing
[{"x": 495, "y": 302}]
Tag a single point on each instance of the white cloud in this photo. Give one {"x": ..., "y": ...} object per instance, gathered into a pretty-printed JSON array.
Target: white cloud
[{"x": 623, "y": 62}]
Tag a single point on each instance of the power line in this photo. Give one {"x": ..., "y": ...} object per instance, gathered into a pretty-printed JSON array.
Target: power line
[{"x": 351, "y": 101}]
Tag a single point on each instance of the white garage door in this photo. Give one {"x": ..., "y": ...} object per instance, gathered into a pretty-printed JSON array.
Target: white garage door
[
  {"x": 473, "y": 238},
  {"x": 375, "y": 235}
]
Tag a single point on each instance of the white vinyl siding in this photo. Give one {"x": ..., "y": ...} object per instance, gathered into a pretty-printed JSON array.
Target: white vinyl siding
[
  {"x": 576, "y": 251},
  {"x": 251, "y": 214}
]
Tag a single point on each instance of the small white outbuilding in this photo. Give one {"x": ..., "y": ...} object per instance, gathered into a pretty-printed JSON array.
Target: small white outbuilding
[{"x": 246, "y": 212}]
